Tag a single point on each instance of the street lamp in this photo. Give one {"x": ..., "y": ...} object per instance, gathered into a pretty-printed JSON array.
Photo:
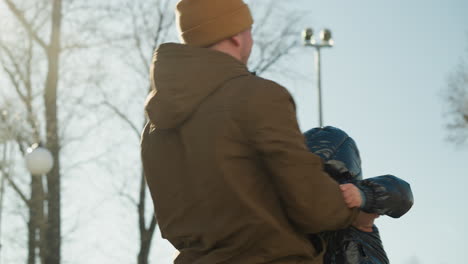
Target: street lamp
[
  {"x": 39, "y": 160},
  {"x": 326, "y": 42}
]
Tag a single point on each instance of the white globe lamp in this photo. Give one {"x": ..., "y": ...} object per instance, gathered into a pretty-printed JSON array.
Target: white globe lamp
[{"x": 39, "y": 160}]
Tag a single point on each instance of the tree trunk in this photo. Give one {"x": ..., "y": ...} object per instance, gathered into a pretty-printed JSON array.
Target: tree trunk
[
  {"x": 2, "y": 191},
  {"x": 53, "y": 232},
  {"x": 143, "y": 255},
  {"x": 146, "y": 234},
  {"x": 31, "y": 239}
]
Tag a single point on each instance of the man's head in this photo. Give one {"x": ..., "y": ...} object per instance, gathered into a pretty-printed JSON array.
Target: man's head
[{"x": 224, "y": 25}]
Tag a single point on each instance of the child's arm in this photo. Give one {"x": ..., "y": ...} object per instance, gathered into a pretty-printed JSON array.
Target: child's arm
[{"x": 383, "y": 195}]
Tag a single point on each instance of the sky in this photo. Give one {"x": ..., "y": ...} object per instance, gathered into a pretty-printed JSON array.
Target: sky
[{"x": 383, "y": 84}]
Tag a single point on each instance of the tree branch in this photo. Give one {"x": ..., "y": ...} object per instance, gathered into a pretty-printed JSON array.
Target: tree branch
[
  {"x": 274, "y": 59},
  {"x": 26, "y": 24},
  {"x": 26, "y": 83},
  {"x": 138, "y": 44},
  {"x": 12, "y": 74},
  {"x": 153, "y": 224},
  {"x": 16, "y": 188},
  {"x": 123, "y": 117},
  {"x": 129, "y": 198},
  {"x": 141, "y": 205}
]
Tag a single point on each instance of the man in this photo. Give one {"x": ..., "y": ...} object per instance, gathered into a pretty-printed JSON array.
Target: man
[{"x": 230, "y": 176}]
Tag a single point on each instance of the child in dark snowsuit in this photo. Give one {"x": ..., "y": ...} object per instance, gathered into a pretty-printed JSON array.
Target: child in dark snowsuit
[{"x": 383, "y": 195}]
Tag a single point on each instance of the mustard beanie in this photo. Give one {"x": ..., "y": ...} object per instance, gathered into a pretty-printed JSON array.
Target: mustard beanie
[{"x": 202, "y": 23}]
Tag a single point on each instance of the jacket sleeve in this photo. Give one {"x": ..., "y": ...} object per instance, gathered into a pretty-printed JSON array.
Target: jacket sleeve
[
  {"x": 386, "y": 195},
  {"x": 310, "y": 197}
]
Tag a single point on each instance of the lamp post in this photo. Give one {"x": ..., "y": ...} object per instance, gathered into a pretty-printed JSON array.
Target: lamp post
[
  {"x": 39, "y": 160},
  {"x": 326, "y": 42}
]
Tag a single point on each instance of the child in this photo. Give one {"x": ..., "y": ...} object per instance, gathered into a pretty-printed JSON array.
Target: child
[{"x": 384, "y": 195}]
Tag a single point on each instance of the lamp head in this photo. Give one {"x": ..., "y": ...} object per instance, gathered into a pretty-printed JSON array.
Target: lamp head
[
  {"x": 308, "y": 35},
  {"x": 326, "y": 36},
  {"x": 39, "y": 160}
]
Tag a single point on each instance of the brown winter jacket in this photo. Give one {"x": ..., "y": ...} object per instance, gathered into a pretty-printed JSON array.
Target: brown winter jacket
[{"x": 230, "y": 176}]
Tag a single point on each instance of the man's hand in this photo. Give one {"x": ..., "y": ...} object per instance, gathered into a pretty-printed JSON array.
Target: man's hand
[
  {"x": 365, "y": 221},
  {"x": 352, "y": 195}
]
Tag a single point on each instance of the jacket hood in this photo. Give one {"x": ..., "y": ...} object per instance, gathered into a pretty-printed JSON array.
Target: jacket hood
[
  {"x": 182, "y": 77},
  {"x": 338, "y": 151}
]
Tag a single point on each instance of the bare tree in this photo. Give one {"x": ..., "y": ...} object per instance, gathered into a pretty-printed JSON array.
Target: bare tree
[
  {"x": 16, "y": 60},
  {"x": 148, "y": 24},
  {"x": 34, "y": 53},
  {"x": 5, "y": 137},
  {"x": 456, "y": 96},
  {"x": 18, "y": 64},
  {"x": 276, "y": 35}
]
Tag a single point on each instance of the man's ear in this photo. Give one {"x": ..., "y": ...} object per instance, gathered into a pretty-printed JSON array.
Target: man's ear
[{"x": 236, "y": 40}]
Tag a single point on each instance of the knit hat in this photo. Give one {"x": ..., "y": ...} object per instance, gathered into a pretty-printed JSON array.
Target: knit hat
[{"x": 202, "y": 23}]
